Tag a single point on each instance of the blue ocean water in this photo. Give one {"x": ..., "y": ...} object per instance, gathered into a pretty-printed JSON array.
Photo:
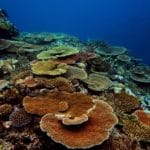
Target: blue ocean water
[{"x": 118, "y": 22}]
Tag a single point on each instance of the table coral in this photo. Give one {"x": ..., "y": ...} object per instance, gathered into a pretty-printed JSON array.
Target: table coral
[
  {"x": 93, "y": 132},
  {"x": 49, "y": 68},
  {"x": 111, "y": 51},
  {"x": 42, "y": 104},
  {"x": 58, "y": 52},
  {"x": 76, "y": 72},
  {"x": 97, "y": 82}
]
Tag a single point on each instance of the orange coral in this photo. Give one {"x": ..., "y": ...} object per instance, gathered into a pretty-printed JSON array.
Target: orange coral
[
  {"x": 143, "y": 117},
  {"x": 91, "y": 133},
  {"x": 50, "y": 103}
]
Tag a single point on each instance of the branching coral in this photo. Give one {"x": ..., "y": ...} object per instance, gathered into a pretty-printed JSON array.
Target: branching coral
[
  {"x": 49, "y": 68},
  {"x": 91, "y": 133}
]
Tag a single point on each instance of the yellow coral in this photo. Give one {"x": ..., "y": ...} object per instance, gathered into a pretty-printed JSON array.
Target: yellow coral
[{"x": 49, "y": 68}]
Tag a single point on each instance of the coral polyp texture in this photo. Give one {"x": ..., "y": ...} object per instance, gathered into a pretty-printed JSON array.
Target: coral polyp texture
[{"x": 93, "y": 132}]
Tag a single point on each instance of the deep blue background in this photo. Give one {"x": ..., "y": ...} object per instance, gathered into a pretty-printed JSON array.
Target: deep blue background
[{"x": 119, "y": 22}]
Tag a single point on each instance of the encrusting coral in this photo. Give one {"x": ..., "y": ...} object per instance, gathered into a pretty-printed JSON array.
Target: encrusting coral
[
  {"x": 49, "y": 68},
  {"x": 90, "y": 133}
]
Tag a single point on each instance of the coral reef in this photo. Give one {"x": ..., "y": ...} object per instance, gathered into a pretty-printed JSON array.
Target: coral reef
[
  {"x": 93, "y": 132},
  {"x": 83, "y": 94}
]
